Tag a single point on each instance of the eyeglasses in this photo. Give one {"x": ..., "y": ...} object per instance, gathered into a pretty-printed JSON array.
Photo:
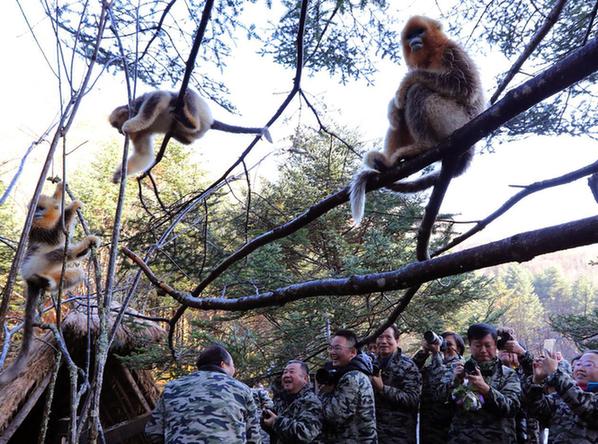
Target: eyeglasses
[{"x": 584, "y": 364}]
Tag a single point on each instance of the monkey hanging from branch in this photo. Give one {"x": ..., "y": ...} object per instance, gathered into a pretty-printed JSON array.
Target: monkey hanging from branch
[
  {"x": 440, "y": 93},
  {"x": 154, "y": 113},
  {"x": 42, "y": 266}
]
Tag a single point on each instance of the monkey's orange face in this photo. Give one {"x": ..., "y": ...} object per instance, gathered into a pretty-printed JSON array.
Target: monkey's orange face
[
  {"x": 47, "y": 212},
  {"x": 422, "y": 41}
]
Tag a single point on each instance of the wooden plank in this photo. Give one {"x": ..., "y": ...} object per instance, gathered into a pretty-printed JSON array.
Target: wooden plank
[
  {"x": 25, "y": 409},
  {"x": 119, "y": 433},
  {"x": 129, "y": 377}
]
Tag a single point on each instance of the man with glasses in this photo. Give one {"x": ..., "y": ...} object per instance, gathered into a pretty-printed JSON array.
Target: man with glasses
[
  {"x": 346, "y": 394},
  {"x": 571, "y": 410},
  {"x": 397, "y": 388},
  {"x": 298, "y": 417}
]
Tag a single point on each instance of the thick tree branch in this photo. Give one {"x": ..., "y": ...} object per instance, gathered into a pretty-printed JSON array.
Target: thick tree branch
[
  {"x": 520, "y": 248},
  {"x": 425, "y": 228},
  {"x": 530, "y": 189},
  {"x": 570, "y": 70},
  {"x": 531, "y": 46}
]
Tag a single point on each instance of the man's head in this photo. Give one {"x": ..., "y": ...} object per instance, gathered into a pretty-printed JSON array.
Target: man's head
[
  {"x": 585, "y": 369},
  {"x": 372, "y": 347},
  {"x": 216, "y": 355},
  {"x": 482, "y": 342},
  {"x": 295, "y": 376},
  {"x": 454, "y": 344},
  {"x": 342, "y": 348},
  {"x": 388, "y": 341}
]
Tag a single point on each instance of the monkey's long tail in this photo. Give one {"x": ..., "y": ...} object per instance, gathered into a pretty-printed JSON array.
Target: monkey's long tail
[
  {"x": 358, "y": 188},
  {"x": 413, "y": 186},
  {"x": 220, "y": 126},
  {"x": 357, "y": 193},
  {"x": 34, "y": 290}
]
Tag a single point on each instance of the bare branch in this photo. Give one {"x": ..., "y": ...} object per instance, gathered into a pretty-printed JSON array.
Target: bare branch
[
  {"x": 531, "y": 46},
  {"x": 530, "y": 189}
]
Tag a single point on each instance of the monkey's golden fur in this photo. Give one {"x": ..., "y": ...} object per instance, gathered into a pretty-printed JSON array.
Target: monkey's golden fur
[
  {"x": 153, "y": 113},
  {"x": 42, "y": 266},
  {"x": 440, "y": 93}
]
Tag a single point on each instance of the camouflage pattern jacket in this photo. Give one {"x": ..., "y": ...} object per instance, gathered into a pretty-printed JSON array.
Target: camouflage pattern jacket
[
  {"x": 299, "y": 418},
  {"x": 207, "y": 407},
  {"x": 435, "y": 414},
  {"x": 397, "y": 402},
  {"x": 349, "y": 412},
  {"x": 571, "y": 413},
  {"x": 494, "y": 423}
]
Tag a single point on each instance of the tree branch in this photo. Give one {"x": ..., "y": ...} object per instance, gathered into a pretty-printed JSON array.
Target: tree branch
[
  {"x": 205, "y": 18},
  {"x": 531, "y": 46},
  {"x": 530, "y": 189},
  {"x": 573, "y": 68},
  {"x": 520, "y": 248}
]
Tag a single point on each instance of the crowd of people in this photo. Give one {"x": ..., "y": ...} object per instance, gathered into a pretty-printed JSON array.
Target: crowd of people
[{"x": 500, "y": 394}]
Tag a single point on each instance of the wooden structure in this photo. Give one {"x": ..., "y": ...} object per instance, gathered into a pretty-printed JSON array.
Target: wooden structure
[{"x": 128, "y": 395}]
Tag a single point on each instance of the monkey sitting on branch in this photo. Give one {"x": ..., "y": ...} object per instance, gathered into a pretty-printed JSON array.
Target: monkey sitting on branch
[
  {"x": 42, "y": 267},
  {"x": 440, "y": 93},
  {"x": 153, "y": 113}
]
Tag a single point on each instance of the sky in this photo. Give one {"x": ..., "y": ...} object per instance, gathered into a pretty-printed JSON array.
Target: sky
[{"x": 257, "y": 88}]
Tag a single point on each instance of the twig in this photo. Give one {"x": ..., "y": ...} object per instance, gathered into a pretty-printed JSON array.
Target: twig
[
  {"x": 22, "y": 164},
  {"x": 530, "y": 189},
  {"x": 531, "y": 46},
  {"x": 394, "y": 315}
]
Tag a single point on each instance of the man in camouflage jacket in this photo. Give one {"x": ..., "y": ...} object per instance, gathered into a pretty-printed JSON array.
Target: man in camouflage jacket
[
  {"x": 435, "y": 414},
  {"x": 207, "y": 406},
  {"x": 570, "y": 411},
  {"x": 297, "y": 413},
  {"x": 348, "y": 405},
  {"x": 492, "y": 421},
  {"x": 397, "y": 389}
]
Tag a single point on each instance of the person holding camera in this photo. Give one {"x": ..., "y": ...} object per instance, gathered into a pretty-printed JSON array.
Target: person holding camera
[
  {"x": 444, "y": 352},
  {"x": 571, "y": 410},
  {"x": 397, "y": 387},
  {"x": 208, "y": 405},
  {"x": 298, "y": 417},
  {"x": 485, "y": 392},
  {"x": 346, "y": 393}
]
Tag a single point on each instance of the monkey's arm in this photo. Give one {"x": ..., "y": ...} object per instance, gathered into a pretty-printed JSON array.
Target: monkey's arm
[
  {"x": 69, "y": 213},
  {"x": 154, "y": 104}
]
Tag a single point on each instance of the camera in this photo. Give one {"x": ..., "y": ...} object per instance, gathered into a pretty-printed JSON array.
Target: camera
[
  {"x": 327, "y": 375},
  {"x": 432, "y": 339},
  {"x": 376, "y": 369},
  {"x": 470, "y": 368},
  {"x": 504, "y": 335}
]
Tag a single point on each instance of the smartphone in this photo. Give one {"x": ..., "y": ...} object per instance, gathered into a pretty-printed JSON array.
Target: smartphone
[{"x": 549, "y": 345}]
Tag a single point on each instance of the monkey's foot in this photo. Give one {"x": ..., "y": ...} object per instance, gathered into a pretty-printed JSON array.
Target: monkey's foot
[
  {"x": 377, "y": 161},
  {"x": 116, "y": 176}
]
